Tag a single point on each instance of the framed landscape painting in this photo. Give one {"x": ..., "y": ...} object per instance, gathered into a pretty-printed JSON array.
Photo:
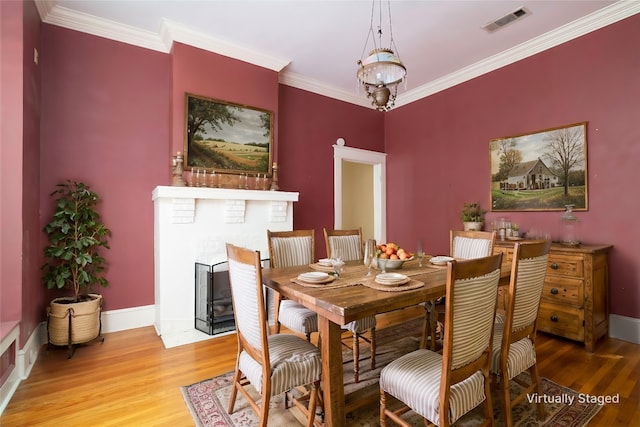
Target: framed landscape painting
[
  {"x": 540, "y": 171},
  {"x": 225, "y": 137}
]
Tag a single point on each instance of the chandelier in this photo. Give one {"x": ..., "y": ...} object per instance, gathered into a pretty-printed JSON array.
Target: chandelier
[{"x": 381, "y": 71}]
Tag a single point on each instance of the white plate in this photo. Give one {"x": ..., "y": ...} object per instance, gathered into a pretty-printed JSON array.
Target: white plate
[
  {"x": 390, "y": 276},
  {"x": 440, "y": 260},
  {"x": 325, "y": 262},
  {"x": 391, "y": 279},
  {"x": 314, "y": 277}
]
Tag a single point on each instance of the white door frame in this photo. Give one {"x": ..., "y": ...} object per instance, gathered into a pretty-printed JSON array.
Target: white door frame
[{"x": 379, "y": 162}]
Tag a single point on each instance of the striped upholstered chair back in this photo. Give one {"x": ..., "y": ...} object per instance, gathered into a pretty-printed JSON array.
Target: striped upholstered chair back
[
  {"x": 347, "y": 246},
  {"x": 472, "y": 244},
  {"x": 514, "y": 336},
  {"x": 272, "y": 364},
  {"x": 470, "y": 314},
  {"x": 290, "y": 248},
  {"x": 245, "y": 279},
  {"x": 344, "y": 244},
  {"x": 463, "y": 245},
  {"x": 444, "y": 387},
  {"x": 531, "y": 271}
]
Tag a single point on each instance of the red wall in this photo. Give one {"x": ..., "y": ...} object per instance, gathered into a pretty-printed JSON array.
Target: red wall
[
  {"x": 11, "y": 101},
  {"x": 105, "y": 121},
  {"x": 309, "y": 127},
  {"x": 215, "y": 76},
  {"x": 112, "y": 115},
  {"x": 438, "y": 147},
  {"x": 32, "y": 295}
]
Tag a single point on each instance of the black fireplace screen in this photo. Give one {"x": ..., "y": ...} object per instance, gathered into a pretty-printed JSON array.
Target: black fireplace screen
[{"x": 214, "y": 308}]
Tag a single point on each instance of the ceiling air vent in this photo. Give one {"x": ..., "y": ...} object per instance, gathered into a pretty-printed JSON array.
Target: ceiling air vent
[{"x": 507, "y": 19}]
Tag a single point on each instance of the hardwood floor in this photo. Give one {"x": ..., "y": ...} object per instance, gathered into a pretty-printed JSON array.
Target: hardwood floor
[{"x": 132, "y": 380}]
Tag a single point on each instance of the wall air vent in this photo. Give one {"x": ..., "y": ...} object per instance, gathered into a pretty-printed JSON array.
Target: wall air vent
[{"x": 507, "y": 19}]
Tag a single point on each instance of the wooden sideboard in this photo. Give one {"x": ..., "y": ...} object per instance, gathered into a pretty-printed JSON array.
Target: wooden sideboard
[{"x": 575, "y": 298}]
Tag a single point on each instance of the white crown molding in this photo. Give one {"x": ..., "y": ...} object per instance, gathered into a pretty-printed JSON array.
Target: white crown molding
[
  {"x": 179, "y": 33},
  {"x": 90, "y": 24},
  {"x": 310, "y": 85},
  {"x": 171, "y": 31},
  {"x": 575, "y": 29},
  {"x": 162, "y": 41}
]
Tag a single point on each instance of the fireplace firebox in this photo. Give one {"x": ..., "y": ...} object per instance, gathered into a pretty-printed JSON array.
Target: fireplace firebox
[{"x": 214, "y": 308}]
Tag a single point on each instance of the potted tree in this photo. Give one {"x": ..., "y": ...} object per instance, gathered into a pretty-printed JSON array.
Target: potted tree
[
  {"x": 73, "y": 261},
  {"x": 472, "y": 216}
]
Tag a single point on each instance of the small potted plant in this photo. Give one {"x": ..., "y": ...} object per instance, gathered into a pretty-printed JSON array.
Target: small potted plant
[
  {"x": 472, "y": 216},
  {"x": 73, "y": 261}
]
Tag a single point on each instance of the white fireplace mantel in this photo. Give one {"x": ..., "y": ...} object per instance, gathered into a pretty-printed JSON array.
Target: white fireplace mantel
[{"x": 193, "y": 225}]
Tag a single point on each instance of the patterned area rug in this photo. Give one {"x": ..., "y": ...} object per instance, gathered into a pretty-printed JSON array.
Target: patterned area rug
[{"x": 208, "y": 400}]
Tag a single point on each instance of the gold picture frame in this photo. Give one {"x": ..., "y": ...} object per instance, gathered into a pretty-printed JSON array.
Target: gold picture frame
[
  {"x": 540, "y": 171},
  {"x": 229, "y": 138}
]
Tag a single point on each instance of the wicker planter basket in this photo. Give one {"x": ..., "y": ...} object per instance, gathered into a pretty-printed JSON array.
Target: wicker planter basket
[{"x": 74, "y": 322}]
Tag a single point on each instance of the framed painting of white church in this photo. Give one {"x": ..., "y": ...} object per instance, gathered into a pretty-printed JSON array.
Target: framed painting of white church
[{"x": 540, "y": 171}]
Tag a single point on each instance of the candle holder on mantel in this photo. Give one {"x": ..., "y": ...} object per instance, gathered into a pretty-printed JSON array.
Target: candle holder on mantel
[
  {"x": 274, "y": 179},
  {"x": 177, "y": 170}
]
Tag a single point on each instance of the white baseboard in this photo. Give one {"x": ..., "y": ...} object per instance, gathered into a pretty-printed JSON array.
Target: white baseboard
[
  {"x": 128, "y": 318},
  {"x": 9, "y": 386},
  {"x": 624, "y": 328},
  {"x": 28, "y": 354}
]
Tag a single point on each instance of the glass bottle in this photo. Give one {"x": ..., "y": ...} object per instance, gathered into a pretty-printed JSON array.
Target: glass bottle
[{"x": 570, "y": 227}]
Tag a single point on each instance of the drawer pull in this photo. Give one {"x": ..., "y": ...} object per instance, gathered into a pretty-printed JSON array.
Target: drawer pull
[
  {"x": 554, "y": 318},
  {"x": 554, "y": 266},
  {"x": 554, "y": 291}
]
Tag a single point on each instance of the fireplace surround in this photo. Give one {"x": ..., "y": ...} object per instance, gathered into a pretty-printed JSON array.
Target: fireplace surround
[{"x": 192, "y": 225}]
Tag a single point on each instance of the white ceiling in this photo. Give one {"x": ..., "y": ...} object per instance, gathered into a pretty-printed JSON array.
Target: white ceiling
[{"x": 315, "y": 45}]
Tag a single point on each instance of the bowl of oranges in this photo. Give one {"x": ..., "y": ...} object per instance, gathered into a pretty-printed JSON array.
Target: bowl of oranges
[{"x": 390, "y": 256}]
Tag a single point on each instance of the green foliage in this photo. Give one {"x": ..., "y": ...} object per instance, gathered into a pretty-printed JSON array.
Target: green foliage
[
  {"x": 76, "y": 233},
  {"x": 550, "y": 198},
  {"x": 472, "y": 212}
]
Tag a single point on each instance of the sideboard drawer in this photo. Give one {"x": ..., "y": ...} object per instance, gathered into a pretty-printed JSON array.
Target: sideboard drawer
[
  {"x": 575, "y": 298},
  {"x": 563, "y": 290},
  {"x": 561, "y": 320},
  {"x": 564, "y": 265}
]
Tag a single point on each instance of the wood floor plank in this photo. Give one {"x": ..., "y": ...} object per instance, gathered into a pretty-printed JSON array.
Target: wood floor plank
[{"x": 132, "y": 380}]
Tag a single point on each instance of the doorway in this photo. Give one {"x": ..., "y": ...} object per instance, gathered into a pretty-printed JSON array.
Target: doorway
[{"x": 360, "y": 191}]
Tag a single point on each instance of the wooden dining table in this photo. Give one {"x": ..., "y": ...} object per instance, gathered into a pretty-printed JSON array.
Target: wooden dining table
[{"x": 346, "y": 299}]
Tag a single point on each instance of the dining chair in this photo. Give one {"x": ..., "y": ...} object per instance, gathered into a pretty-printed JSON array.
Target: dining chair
[
  {"x": 272, "y": 364},
  {"x": 443, "y": 387},
  {"x": 288, "y": 249},
  {"x": 514, "y": 349},
  {"x": 462, "y": 245},
  {"x": 347, "y": 245}
]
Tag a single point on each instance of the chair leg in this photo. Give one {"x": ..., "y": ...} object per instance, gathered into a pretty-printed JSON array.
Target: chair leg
[
  {"x": 488, "y": 404},
  {"x": 426, "y": 327},
  {"x": 373, "y": 348},
  {"x": 533, "y": 372},
  {"x": 356, "y": 356},
  {"x": 276, "y": 311},
  {"x": 313, "y": 402},
  {"x": 505, "y": 398},
  {"x": 434, "y": 326},
  {"x": 383, "y": 407},
  {"x": 264, "y": 407},
  {"x": 234, "y": 391}
]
